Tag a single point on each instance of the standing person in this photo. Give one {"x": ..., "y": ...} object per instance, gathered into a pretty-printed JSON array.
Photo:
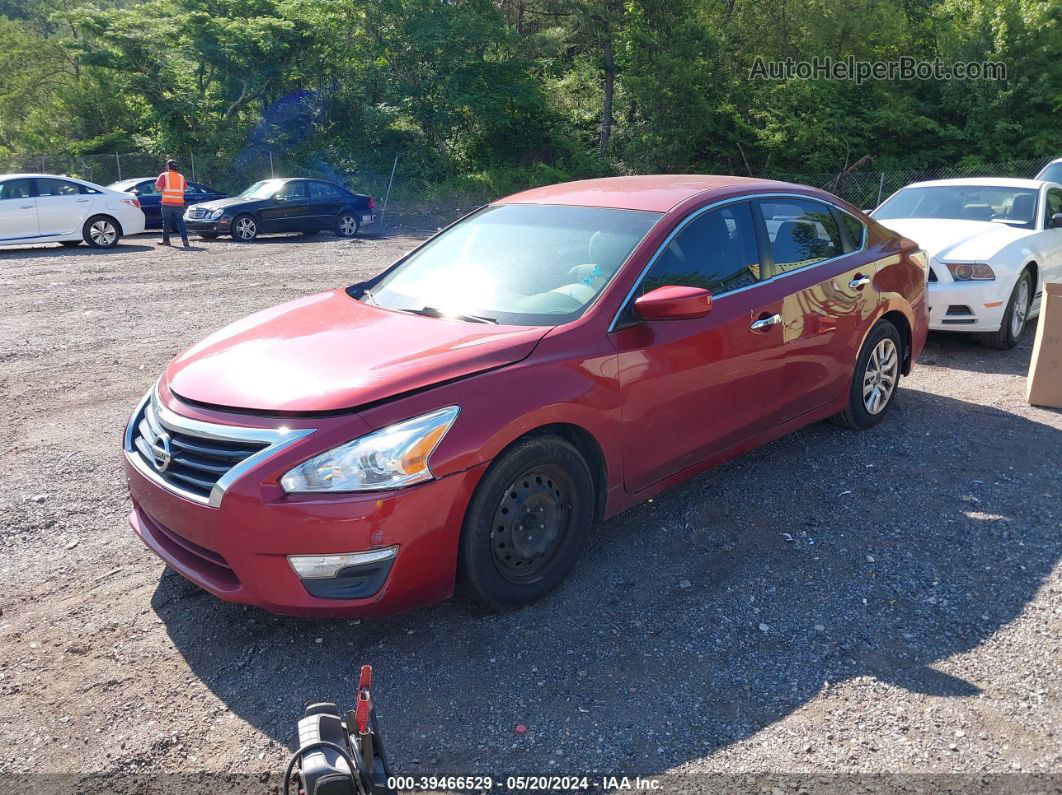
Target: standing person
[{"x": 172, "y": 184}]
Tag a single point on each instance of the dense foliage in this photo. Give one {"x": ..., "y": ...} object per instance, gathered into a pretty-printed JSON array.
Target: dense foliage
[{"x": 527, "y": 90}]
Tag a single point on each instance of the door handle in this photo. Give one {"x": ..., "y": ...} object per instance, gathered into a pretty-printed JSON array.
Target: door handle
[
  {"x": 82, "y": 201},
  {"x": 25, "y": 207},
  {"x": 766, "y": 322},
  {"x": 859, "y": 282}
]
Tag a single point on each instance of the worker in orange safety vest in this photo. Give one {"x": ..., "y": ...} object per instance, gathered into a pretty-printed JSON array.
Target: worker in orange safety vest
[{"x": 172, "y": 184}]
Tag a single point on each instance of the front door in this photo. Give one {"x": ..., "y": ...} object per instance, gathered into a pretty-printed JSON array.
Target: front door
[
  {"x": 829, "y": 296},
  {"x": 325, "y": 203},
  {"x": 287, "y": 212},
  {"x": 692, "y": 388},
  {"x": 18, "y": 210}
]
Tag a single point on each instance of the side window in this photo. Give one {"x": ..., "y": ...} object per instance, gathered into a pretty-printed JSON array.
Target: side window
[
  {"x": 716, "y": 251},
  {"x": 16, "y": 189},
  {"x": 193, "y": 189},
  {"x": 1054, "y": 205},
  {"x": 322, "y": 190},
  {"x": 87, "y": 189},
  {"x": 293, "y": 190},
  {"x": 801, "y": 232},
  {"x": 56, "y": 187},
  {"x": 148, "y": 188},
  {"x": 855, "y": 229}
]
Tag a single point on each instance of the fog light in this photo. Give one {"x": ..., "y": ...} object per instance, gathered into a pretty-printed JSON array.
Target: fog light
[{"x": 315, "y": 567}]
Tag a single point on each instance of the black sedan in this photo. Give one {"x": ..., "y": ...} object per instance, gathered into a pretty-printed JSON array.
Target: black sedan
[
  {"x": 151, "y": 199},
  {"x": 284, "y": 205}
]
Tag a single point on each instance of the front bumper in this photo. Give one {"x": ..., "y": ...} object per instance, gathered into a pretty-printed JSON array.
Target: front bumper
[
  {"x": 220, "y": 226},
  {"x": 975, "y": 306},
  {"x": 239, "y": 550}
]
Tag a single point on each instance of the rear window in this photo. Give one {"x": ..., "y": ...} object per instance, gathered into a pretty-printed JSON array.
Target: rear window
[{"x": 801, "y": 232}]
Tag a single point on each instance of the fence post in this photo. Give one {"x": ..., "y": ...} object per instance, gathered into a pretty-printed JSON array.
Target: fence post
[
  {"x": 881, "y": 185},
  {"x": 43, "y": 169},
  {"x": 387, "y": 198},
  {"x": 192, "y": 157},
  {"x": 118, "y": 160},
  {"x": 272, "y": 173}
]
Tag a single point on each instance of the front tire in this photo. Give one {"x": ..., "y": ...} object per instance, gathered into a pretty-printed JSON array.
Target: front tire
[
  {"x": 876, "y": 378},
  {"x": 1015, "y": 317},
  {"x": 347, "y": 225},
  {"x": 244, "y": 228},
  {"x": 526, "y": 523},
  {"x": 101, "y": 231}
]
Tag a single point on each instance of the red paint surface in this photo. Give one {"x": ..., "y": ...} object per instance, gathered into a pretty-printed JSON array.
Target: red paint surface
[{"x": 659, "y": 401}]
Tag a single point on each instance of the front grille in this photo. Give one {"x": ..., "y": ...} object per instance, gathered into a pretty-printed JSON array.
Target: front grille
[
  {"x": 195, "y": 462},
  {"x": 197, "y": 213}
]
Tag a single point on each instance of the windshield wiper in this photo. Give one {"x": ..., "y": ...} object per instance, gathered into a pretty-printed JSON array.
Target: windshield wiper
[{"x": 431, "y": 311}]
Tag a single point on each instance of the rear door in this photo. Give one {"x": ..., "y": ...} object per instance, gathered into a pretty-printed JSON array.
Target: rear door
[
  {"x": 692, "y": 388},
  {"x": 62, "y": 208},
  {"x": 325, "y": 203},
  {"x": 817, "y": 254},
  {"x": 18, "y": 210},
  {"x": 150, "y": 202}
]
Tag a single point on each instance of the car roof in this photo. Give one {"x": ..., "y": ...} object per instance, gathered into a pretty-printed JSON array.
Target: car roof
[
  {"x": 654, "y": 192},
  {"x": 980, "y": 182},
  {"x": 54, "y": 176}
]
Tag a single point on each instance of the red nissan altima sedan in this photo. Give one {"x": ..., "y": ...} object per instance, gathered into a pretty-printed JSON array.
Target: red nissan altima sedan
[{"x": 549, "y": 360}]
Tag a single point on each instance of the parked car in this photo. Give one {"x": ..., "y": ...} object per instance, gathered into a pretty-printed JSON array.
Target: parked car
[
  {"x": 284, "y": 205},
  {"x": 992, "y": 244},
  {"x": 1052, "y": 172},
  {"x": 151, "y": 198},
  {"x": 50, "y": 208},
  {"x": 549, "y": 360}
]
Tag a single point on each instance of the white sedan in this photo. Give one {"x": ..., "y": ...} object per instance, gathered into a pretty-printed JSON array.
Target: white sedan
[
  {"x": 992, "y": 244},
  {"x": 46, "y": 208}
]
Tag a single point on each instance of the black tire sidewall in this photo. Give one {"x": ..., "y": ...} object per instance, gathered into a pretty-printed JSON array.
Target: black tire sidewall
[
  {"x": 1012, "y": 304},
  {"x": 88, "y": 237},
  {"x": 357, "y": 225},
  {"x": 857, "y": 411},
  {"x": 236, "y": 236},
  {"x": 477, "y": 572}
]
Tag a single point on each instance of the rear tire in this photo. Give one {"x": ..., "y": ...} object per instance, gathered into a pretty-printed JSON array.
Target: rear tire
[
  {"x": 347, "y": 225},
  {"x": 876, "y": 379},
  {"x": 1014, "y": 318},
  {"x": 526, "y": 523},
  {"x": 244, "y": 228},
  {"x": 101, "y": 231}
]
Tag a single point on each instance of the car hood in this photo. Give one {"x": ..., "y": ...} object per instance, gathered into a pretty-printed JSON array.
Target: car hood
[
  {"x": 952, "y": 241},
  {"x": 329, "y": 352},
  {"x": 220, "y": 204}
]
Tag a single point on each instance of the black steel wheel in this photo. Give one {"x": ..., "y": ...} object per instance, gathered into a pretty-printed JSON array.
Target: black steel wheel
[{"x": 526, "y": 523}]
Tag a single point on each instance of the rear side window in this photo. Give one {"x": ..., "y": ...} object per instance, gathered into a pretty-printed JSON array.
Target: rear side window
[
  {"x": 716, "y": 251},
  {"x": 855, "y": 229},
  {"x": 16, "y": 189},
  {"x": 147, "y": 188},
  {"x": 57, "y": 187},
  {"x": 800, "y": 232},
  {"x": 322, "y": 190},
  {"x": 1053, "y": 205}
]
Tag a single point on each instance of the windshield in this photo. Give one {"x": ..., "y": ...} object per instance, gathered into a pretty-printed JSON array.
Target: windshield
[
  {"x": 263, "y": 189},
  {"x": 525, "y": 264},
  {"x": 1013, "y": 206},
  {"x": 1053, "y": 173}
]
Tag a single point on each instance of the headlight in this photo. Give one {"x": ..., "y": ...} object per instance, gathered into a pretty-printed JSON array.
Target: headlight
[
  {"x": 216, "y": 214},
  {"x": 386, "y": 459},
  {"x": 966, "y": 272}
]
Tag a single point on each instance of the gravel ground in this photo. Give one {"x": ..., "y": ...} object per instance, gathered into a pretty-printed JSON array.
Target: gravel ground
[{"x": 833, "y": 603}]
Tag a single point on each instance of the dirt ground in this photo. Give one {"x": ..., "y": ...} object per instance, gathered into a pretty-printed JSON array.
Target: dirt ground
[{"x": 835, "y": 603}]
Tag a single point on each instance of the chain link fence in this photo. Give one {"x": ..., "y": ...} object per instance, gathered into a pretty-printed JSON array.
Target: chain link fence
[{"x": 867, "y": 188}]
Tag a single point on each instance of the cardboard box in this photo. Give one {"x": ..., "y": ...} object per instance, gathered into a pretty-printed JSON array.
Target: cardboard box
[{"x": 1045, "y": 370}]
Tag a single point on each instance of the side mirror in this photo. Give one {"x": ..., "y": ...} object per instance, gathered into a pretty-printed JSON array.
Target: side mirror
[
  {"x": 673, "y": 303},
  {"x": 1056, "y": 221}
]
